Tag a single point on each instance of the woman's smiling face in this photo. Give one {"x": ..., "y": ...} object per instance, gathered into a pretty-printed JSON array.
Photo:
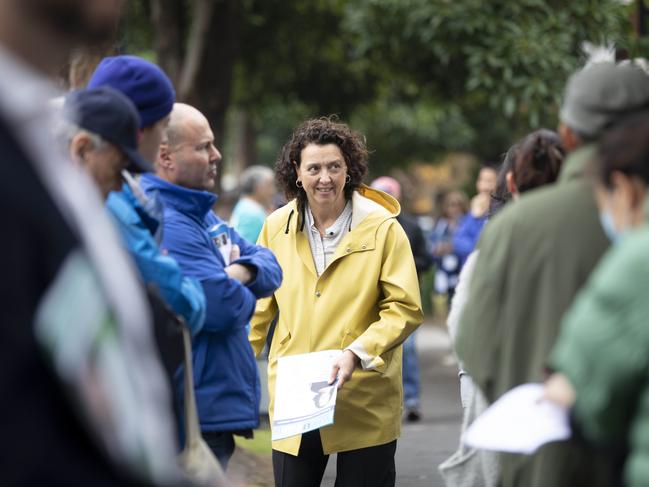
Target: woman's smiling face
[{"x": 322, "y": 171}]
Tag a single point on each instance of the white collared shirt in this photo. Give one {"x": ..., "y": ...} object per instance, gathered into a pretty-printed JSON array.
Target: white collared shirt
[{"x": 324, "y": 247}]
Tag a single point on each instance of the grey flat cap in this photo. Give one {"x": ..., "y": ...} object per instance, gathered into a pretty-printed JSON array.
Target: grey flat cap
[{"x": 600, "y": 94}]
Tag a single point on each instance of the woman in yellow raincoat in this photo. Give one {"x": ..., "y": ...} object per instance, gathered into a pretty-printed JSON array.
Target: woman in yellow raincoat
[{"x": 349, "y": 283}]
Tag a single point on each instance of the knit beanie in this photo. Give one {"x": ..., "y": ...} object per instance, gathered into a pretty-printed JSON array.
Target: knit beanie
[
  {"x": 601, "y": 94},
  {"x": 143, "y": 82}
]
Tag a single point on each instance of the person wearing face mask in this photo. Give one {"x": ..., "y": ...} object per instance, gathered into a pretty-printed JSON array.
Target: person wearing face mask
[
  {"x": 351, "y": 285},
  {"x": 600, "y": 358},
  {"x": 534, "y": 257}
]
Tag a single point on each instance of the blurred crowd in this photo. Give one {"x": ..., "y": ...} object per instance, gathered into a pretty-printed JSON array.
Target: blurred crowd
[{"x": 132, "y": 313}]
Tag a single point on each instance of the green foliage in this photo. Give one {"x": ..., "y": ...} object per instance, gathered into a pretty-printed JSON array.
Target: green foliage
[
  {"x": 136, "y": 32},
  {"x": 260, "y": 444},
  {"x": 511, "y": 58},
  {"x": 398, "y": 132},
  {"x": 297, "y": 49},
  {"x": 275, "y": 122},
  {"x": 422, "y": 77},
  {"x": 418, "y": 77}
]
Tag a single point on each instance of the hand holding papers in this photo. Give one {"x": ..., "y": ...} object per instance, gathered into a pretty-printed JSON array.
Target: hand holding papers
[
  {"x": 304, "y": 399},
  {"x": 343, "y": 368},
  {"x": 519, "y": 422}
]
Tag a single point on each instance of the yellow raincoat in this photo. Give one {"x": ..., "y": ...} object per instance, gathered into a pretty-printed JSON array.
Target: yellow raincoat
[{"x": 367, "y": 299}]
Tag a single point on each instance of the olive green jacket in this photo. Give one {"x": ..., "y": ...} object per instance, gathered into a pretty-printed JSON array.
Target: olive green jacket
[
  {"x": 534, "y": 257},
  {"x": 603, "y": 349}
]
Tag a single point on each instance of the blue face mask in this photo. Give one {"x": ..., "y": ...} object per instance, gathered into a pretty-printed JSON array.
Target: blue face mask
[{"x": 608, "y": 225}]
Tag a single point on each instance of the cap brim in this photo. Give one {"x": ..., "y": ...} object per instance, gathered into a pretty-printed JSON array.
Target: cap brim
[{"x": 138, "y": 163}]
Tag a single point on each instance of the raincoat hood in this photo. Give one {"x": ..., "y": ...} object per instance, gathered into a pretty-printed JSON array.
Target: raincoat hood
[{"x": 370, "y": 207}]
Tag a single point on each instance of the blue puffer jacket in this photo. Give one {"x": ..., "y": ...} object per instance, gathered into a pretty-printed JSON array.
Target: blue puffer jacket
[
  {"x": 137, "y": 227},
  {"x": 467, "y": 235},
  {"x": 225, "y": 372}
]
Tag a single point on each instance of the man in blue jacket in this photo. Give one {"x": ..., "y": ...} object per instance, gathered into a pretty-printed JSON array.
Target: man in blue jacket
[{"x": 234, "y": 274}]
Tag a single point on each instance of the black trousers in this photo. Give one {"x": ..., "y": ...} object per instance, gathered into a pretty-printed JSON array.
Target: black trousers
[
  {"x": 366, "y": 467},
  {"x": 221, "y": 444}
]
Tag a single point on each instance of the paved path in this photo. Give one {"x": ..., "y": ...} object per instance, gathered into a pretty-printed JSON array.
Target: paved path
[{"x": 424, "y": 445}]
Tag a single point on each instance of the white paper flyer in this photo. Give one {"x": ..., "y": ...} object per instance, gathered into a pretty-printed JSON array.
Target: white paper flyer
[
  {"x": 304, "y": 400},
  {"x": 519, "y": 422}
]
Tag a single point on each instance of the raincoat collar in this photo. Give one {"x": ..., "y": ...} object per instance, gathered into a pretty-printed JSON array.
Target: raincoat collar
[
  {"x": 188, "y": 201},
  {"x": 370, "y": 208},
  {"x": 366, "y": 202}
]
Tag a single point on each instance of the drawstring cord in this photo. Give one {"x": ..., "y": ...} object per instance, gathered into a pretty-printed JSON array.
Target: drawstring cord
[{"x": 289, "y": 222}]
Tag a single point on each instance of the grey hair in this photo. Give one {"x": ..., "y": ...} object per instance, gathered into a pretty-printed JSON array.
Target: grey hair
[
  {"x": 252, "y": 176},
  {"x": 65, "y": 131}
]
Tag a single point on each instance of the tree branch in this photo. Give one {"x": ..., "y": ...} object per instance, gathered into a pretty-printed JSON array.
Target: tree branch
[{"x": 195, "y": 46}]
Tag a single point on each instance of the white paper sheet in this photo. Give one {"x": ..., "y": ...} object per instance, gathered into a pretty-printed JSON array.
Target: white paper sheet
[
  {"x": 303, "y": 399},
  {"x": 519, "y": 422},
  {"x": 220, "y": 235}
]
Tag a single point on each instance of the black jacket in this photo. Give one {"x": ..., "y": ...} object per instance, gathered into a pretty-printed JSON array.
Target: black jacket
[
  {"x": 417, "y": 242},
  {"x": 43, "y": 440}
]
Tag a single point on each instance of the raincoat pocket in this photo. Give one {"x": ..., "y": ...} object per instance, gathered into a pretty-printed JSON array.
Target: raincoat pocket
[
  {"x": 284, "y": 336},
  {"x": 348, "y": 339}
]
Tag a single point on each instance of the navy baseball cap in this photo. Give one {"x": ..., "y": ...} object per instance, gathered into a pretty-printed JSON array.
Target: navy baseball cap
[{"x": 111, "y": 115}]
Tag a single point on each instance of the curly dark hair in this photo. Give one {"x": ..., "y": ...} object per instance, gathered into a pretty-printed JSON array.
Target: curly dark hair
[{"x": 321, "y": 131}]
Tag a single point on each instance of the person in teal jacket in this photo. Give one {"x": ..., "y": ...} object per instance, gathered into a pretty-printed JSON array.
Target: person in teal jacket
[
  {"x": 257, "y": 192},
  {"x": 602, "y": 354}
]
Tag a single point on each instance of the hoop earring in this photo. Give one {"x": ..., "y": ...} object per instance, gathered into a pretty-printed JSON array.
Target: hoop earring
[
  {"x": 298, "y": 183},
  {"x": 348, "y": 179}
]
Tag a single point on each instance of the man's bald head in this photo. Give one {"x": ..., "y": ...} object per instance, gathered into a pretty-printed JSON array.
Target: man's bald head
[
  {"x": 182, "y": 117},
  {"x": 188, "y": 158}
]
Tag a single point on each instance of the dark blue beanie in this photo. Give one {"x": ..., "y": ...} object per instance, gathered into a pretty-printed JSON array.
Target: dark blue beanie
[{"x": 143, "y": 82}]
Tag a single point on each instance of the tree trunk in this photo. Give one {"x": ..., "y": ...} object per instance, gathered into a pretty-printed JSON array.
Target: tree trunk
[
  {"x": 196, "y": 45},
  {"x": 213, "y": 87},
  {"x": 168, "y": 18},
  {"x": 202, "y": 75}
]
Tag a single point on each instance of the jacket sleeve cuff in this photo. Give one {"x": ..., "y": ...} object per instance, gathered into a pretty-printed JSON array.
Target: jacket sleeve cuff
[
  {"x": 252, "y": 285},
  {"x": 368, "y": 362}
]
